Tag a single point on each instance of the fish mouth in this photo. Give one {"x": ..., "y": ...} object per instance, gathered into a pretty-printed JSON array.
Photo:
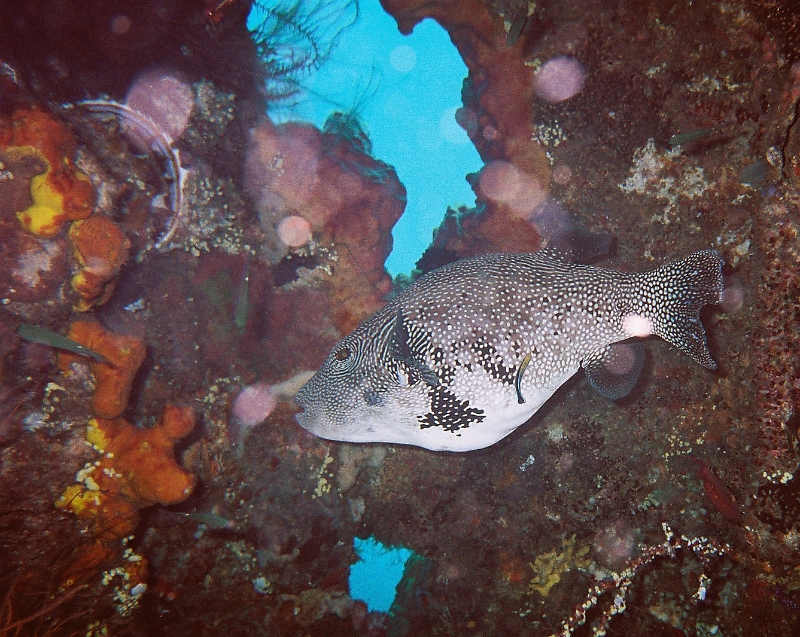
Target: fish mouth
[
  {"x": 311, "y": 420},
  {"x": 305, "y": 394},
  {"x": 317, "y": 426},
  {"x": 303, "y": 417},
  {"x": 311, "y": 424}
]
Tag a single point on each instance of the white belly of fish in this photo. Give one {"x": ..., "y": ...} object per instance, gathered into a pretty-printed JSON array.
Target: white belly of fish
[{"x": 503, "y": 414}]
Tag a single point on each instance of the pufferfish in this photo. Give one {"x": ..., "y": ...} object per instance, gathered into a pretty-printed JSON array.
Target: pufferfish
[{"x": 470, "y": 351}]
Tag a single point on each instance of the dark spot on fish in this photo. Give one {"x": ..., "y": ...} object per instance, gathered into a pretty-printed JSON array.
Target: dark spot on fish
[
  {"x": 450, "y": 413},
  {"x": 488, "y": 357}
]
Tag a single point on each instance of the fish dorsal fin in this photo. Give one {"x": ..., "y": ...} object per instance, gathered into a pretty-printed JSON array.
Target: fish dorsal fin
[
  {"x": 402, "y": 350},
  {"x": 614, "y": 370},
  {"x": 578, "y": 245},
  {"x": 553, "y": 253}
]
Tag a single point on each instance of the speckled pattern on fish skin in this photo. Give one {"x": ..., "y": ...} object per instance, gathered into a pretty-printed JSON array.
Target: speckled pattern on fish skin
[{"x": 471, "y": 350}]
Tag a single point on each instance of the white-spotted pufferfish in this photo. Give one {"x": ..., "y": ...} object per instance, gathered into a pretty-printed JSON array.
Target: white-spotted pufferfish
[{"x": 470, "y": 351}]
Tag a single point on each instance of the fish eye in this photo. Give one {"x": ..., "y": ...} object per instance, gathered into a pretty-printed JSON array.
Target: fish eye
[{"x": 342, "y": 354}]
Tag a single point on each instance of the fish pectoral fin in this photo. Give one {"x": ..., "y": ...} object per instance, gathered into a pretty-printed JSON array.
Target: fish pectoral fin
[
  {"x": 614, "y": 370},
  {"x": 426, "y": 374},
  {"x": 400, "y": 349},
  {"x": 410, "y": 372}
]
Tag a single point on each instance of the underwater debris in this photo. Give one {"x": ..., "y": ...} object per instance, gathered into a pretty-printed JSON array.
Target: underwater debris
[{"x": 161, "y": 143}]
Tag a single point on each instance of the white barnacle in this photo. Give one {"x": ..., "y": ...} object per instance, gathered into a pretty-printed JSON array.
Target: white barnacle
[{"x": 702, "y": 589}]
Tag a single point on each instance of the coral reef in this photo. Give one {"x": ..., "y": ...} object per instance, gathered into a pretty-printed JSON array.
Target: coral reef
[
  {"x": 776, "y": 353},
  {"x": 46, "y": 191},
  {"x": 668, "y": 175},
  {"x": 31, "y": 269},
  {"x": 145, "y": 458},
  {"x": 619, "y": 583},
  {"x": 683, "y": 134},
  {"x": 470, "y": 232},
  {"x": 501, "y": 128},
  {"x": 718, "y": 493},
  {"x": 350, "y": 200}
]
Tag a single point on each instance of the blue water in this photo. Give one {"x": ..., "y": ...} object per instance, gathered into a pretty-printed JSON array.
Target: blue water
[
  {"x": 374, "y": 578},
  {"x": 406, "y": 90}
]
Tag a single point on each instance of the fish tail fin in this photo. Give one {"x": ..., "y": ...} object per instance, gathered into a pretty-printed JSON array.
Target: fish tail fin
[{"x": 672, "y": 296}]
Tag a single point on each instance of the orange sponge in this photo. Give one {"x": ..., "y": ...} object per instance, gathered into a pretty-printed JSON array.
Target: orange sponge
[
  {"x": 113, "y": 380},
  {"x": 100, "y": 249},
  {"x": 144, "y": 457},
  {"x": 62, "y": 193},
  {"x": 138, "y": 469}
]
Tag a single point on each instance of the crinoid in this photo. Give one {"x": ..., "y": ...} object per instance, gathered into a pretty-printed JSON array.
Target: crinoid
[{"x": 294, "y": 38}]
